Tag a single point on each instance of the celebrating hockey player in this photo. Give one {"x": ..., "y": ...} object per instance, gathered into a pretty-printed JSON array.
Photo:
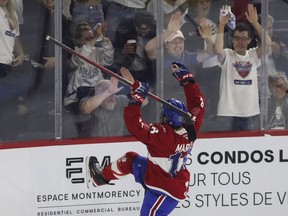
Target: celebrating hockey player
[{"x": 162, "y": 173}]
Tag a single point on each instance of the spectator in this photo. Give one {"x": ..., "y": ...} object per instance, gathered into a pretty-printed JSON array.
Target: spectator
[
  {"x": 105, "y": 108},
  {"x": 238, "y": 8},
  {"x": 208, "y": 72},
  {"x": 11, "y": 58},
  {"x": 133, "y": 56},
  {"x": 96, "y": 47},
  {"x": 10, "y": 41},
  {"x": 278, "y": 52},
  {"x": 90, "y": 11},
  {"x": 10, "y": 44},
  {"x": 175, "y": 51},
  {"x": 45, "y": 53},
  {"x": 169, "y": 7},
  {"x": 278, "y": 103},
  {"x": 239, "y": 101},
  {"x": 197, "y": 10},
  {"x": 119, "y": 11}
]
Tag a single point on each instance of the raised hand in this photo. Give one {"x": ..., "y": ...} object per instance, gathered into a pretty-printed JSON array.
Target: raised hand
[
  {"x": 113, "y": 87},
  {"x": 182, "y": 73},
  {"x": 175, "y": 22},
  {"x": 205, "y": 28},
  {"x": 139, "y": 92},
  {"x": 224, "y": 17},
  {"x": 125, "y": 73},
  {"x": 98, "y": 30},
  {"x": 251, "y": 14}
]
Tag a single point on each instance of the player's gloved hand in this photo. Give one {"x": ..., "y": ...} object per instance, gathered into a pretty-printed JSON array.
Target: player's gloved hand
[
  {"x": 181, "y": 73},
  {"x": 139, "y": 92}
]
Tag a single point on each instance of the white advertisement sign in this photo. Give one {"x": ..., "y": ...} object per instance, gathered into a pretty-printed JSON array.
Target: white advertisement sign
[{"x": 229, "y": 176}]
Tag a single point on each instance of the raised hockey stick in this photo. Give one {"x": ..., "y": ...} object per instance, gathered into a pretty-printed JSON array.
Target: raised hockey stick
[{"x": 186, "y": 116}]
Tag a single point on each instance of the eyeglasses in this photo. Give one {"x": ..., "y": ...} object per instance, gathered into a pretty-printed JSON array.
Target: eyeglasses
[{"x": 237, "y": 38}]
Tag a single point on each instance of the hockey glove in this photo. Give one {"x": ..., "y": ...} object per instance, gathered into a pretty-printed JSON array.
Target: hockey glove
[
  {"x": 138, "y": 93},
  {"x": 181, "y": 73}
]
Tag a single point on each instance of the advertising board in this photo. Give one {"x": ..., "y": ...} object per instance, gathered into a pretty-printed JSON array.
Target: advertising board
[{"x": 239, "y": 176}]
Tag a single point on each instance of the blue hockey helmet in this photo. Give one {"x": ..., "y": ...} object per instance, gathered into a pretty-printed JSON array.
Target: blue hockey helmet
[{"x": 170, "y": 116}]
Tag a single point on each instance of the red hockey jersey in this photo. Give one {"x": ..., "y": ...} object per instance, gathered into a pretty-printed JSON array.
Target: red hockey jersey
[{"x": 167, "y": 148}]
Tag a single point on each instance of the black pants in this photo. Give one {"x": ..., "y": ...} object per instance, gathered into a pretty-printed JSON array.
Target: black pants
[{"x": 5, "y": 70}]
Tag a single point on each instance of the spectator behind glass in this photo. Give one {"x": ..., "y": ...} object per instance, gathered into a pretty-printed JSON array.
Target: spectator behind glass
[
  {"x": 9, "y": 38},
  {"x": 106, "y": 109},
  {"x": 278, "y": 51},
  {"x": 93, "y": 45},
  {"x": 207, "y": 73},
  {"x": 119, "y": 11},
  {"x": 169, "y": 7},
  {"x": 196, "y": 11},
  {"x": 133, "y": 56},
  {"x": 90, "y": 11},
  {"x": 46, "y": 50},
  {"x": 278, "y": 102},
  {"x": 238, "y": 8},
  {"x": 239, "y": 100},
  {"x": 176, "y": 52},
  {"x": 11, "y": 55}
]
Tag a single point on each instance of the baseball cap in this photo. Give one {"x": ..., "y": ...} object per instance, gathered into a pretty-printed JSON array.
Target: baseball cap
[
  {"x": 174, "y": 35},
  {"x": 144, "y": 18}
]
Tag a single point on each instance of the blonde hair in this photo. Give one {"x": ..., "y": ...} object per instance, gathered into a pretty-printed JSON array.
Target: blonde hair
[{"x": 10, "y": 7}]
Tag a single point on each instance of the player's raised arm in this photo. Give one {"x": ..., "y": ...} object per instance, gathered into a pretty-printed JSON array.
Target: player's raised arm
[{"x": 194, "y": 97}]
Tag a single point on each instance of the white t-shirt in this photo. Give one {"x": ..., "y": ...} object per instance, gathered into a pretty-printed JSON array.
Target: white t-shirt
[
  {"x": 7, "y": 39},
  {"x": 239, "y": 85}
]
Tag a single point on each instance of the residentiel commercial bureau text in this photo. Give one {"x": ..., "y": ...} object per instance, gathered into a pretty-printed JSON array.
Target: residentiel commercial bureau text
[
  {"x": 240, "y": 157},
  {"x": 89, "y": 211}
]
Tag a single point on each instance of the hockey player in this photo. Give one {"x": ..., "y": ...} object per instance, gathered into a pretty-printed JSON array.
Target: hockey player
[{"x": 162, "y": 173}]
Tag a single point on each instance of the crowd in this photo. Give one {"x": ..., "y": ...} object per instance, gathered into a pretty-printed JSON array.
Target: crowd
[{"x": 221, "y": 42}]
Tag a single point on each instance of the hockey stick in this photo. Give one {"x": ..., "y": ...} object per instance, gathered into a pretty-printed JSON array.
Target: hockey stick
[{"x": 186, "y": 116}]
